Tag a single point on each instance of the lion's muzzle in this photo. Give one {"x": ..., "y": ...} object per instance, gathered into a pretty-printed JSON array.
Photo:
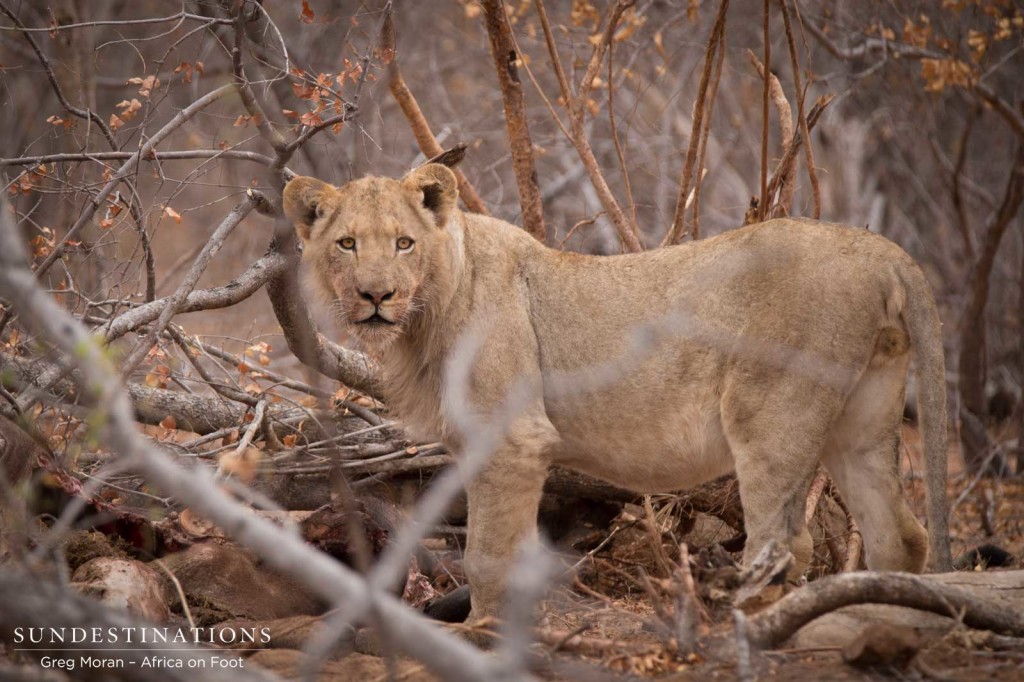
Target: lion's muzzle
[{"x": 376, "y": 307}]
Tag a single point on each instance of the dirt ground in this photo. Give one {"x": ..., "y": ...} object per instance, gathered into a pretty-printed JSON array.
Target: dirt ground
[{"x": 983, "y": 512}]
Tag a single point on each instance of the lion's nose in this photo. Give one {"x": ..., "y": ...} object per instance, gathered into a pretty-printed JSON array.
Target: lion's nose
[{"x": 377, "y": 297}]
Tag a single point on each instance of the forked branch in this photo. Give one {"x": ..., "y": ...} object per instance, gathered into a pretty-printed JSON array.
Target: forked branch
[{"x": 574, "y": 104}]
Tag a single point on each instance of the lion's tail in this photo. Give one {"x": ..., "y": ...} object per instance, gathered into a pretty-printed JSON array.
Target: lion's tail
[{"x": 925, "y": 329}]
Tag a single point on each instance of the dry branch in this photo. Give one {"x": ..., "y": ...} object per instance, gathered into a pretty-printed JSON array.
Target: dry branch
[
  {"x": 777, "y": 623},
  {"x": 787, "y": 159},
  {"x": 417, "y": 121},
  {"x": 805, "y": 130},
  {"x": 814, "y": 495},
  {"x": 237, "y": 290},
  {"x": 854, "y": 547},
  {"x": 198, "y": 414},
  {"x": 611, "y": 23},
  {"x": 694, "y": 198},
  {"x": 173, "y": 155},
  {"x": 448, "y": 656},
  {"x": 787, "y": 182},
  {"x": 627, "y": 230},
  {"x": 506, "y": 64},
  {"x": 613, "y": 126},
  {"x": 677, "y": 230}
]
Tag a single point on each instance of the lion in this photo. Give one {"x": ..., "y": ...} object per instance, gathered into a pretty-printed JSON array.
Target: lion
[{"x": 763, "y": 351}]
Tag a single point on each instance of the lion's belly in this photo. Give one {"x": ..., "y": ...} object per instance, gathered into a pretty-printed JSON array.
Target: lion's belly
[{"x": 671, "y": 448}]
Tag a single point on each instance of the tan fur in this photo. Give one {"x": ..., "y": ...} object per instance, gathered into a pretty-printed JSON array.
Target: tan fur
[{"x": 761, "y": 351}]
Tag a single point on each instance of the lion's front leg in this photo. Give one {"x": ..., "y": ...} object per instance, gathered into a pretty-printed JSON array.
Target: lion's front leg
[{"x": 503, "y": 503}]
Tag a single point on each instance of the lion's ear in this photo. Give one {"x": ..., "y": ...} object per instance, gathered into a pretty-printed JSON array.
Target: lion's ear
[
  {"x": 436, "y": 188},
  {"x": 303, "y": 199}
]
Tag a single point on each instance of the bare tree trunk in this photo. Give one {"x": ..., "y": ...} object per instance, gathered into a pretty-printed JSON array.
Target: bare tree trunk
[
  {"x": 1020, "y": 359},
  {"x": 73, "y": 68},
  {"x": 973, "y": 337},
  {"x": 505, "y": 58}
]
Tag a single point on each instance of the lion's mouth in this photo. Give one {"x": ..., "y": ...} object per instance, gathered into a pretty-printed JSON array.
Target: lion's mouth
[{"x": 375, "y": 320}]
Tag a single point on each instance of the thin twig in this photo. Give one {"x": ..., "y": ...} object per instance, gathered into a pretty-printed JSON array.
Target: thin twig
[
  {"x": 627, "y": 230},
  {"x": 762, "y": 208},
  {"x": 199, "y": 265},
  {"x": 677, "y": 229},
  {"x": 805, "y": 130},
  {"x": 127, "y": 168}
]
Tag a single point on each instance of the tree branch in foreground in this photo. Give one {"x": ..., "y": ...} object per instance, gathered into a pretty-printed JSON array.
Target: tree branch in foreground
[{"x": 448, "y": 656}]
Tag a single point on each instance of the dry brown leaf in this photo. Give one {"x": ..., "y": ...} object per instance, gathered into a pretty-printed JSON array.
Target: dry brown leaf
[
  {"x": 242, "y": 465},
  {"x": 307, "y": 15},
  {"x": 172, "y": 214}
]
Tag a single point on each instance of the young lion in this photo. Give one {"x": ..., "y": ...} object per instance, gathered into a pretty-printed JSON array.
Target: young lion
[{"x": 763, "y": 351}]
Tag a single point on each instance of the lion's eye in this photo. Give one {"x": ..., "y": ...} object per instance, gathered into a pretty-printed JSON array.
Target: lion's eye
[
  {"x": 347, "y": 244},
  {"x": 404, "y": 244}
]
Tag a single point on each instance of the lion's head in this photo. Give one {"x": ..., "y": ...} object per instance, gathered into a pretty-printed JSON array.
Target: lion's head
[{"x": 379, "y": 249}]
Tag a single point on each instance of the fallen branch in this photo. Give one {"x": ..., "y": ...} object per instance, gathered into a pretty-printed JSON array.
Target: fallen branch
[
  {"x": 195, "y": 413},
  {"x": 576, "y": 642},
  {"x": 242, "y": 287},
  {"x": 781, "y": 620},
  {"x": 814, "y": 494}
]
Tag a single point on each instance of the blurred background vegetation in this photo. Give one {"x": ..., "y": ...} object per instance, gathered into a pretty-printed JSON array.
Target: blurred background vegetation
[{"x": 922, "y": 142}]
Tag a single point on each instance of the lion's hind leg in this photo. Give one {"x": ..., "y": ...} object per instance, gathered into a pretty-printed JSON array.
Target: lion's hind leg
[
  {"x": 862, "y": 455},
  {"x": 776, "y": 432}
]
